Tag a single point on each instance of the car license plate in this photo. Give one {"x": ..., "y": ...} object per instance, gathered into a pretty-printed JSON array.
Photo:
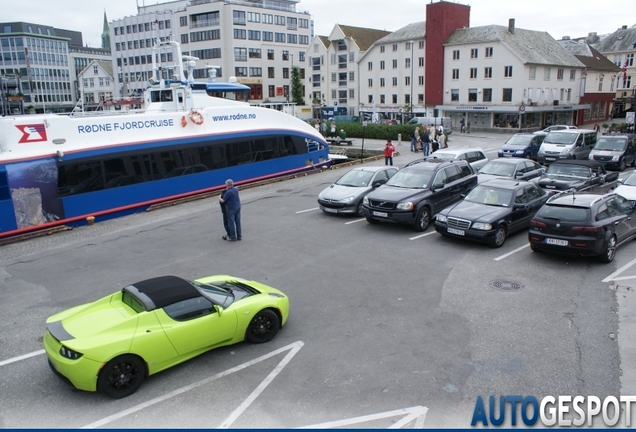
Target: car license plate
[
  {"x": 507, "y": 154},
  {"x": 456, "y": 231},
  {"x": 556, "y": 242},
  {"x": 550, "y": 159},
  {"x": 380, "y": 214},
  {"x": 330, "y": 210}
]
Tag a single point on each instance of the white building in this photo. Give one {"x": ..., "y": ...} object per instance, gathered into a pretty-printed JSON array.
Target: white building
[
  {"x": 96, "y": 84},
  {"x": 502, "y": 77},
  {"x": 257, "y": 41}
]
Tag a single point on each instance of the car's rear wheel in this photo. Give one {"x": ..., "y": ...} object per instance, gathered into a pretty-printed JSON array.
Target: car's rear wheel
[
  {"x": 121, "y": 376},
  {"x": 422, "y": 220},
  {"x": 534, "y": 248},
  {"x": 622, "y": 165},
  {"x": 500, "y": 237},
  {"x": 372, "y": 221},
  {"x": 528, "y": 155},
  {"x": 610, "y": 251},
  {"x": 263, "y": 327}
]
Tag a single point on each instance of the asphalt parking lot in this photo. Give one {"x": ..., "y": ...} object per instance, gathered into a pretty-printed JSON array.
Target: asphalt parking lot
[{"x": 388, "y": 327}]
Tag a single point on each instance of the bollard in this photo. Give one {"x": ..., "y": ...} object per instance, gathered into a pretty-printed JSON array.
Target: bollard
[
  {"x": 90, "y": 220},
  {"x": 399, "y": 139}
]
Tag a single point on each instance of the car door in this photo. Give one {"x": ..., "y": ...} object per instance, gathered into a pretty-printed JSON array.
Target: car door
[
  {"x": 441, "y": 196},
  {"x": 536, "y": 198},
  {"x": 519, "y": 212},
  {"x": 535, "y": 143},
  {"x": 628, "y": 209},
  {"x": 194, "y": 324},
  {"x": 619, "y": 219}
]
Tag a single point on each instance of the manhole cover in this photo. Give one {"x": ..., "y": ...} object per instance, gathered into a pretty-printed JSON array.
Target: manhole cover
[{"x": 503, "y": 285}]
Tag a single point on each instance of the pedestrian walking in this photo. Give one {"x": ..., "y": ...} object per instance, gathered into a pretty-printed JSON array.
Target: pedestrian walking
[
  {"x": 441, "y": 138},
  {"x": 426, "y": 144},
  {"x": 418, "y": 139},
  {"x": 389, "y": 149},
  {"x": 333, "y": 129},
  {"x": 323, "y": 128},
  {"x": 413, "y": 140},
  {"x": 232, "y": 203},
  {"x": 462, "y": 124}
]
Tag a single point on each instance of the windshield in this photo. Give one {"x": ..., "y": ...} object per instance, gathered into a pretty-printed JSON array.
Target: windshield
[
  {"x": 520, "y": 140},
  {"x": 411, "y": 179},
  {"x": 560, "y": 138},
  {"x": 482, "y": 194},
  {"x": 355, "y": 178},
  {"x": 569, "y": 170},
  {"x": 443, "y": 156},
  {"x": 498, "y": 169},
  {"x": 216, "y": 294},
  {"x": 611, "y": 144},
  {"x": 630, "y": 180}
]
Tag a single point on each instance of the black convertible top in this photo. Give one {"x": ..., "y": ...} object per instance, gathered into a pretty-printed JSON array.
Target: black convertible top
[
  {"x": 584, "y": 162},
  {"x": 164, "y": 291}
]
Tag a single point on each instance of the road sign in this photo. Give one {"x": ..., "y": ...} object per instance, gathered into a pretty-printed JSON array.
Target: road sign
[{"x": 335, "y": 103}]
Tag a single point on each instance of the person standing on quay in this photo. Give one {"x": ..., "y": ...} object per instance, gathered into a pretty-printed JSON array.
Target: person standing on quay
[
  {"x": 233, "y": 205},
  {"x": 389, "y": 149},
  {"x": 226, "y": 225}
]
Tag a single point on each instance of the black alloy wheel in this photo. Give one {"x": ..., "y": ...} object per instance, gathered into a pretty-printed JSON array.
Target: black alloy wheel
[
  {"x": 121, "y": 376},
  {"x": 422, "y": 220},
  {"x": 263, "y": 327}
]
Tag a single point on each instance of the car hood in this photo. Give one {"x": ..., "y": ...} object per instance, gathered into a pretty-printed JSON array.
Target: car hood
[
  {"x": 627, "y": 192},
  {"x": 515, "y": 146},
  {"x": 607, "y": 152},
  {"x": 560, "y": 183},
  {"x": 337, "y": 192},
  {"x": 92, "y": 320},
  {"x": 476, "y": 212},
  {"x": 395, "y": 194}
]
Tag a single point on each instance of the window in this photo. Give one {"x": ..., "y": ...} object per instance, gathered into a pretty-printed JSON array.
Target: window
[
  {"x": 473, "y": 73},
  {"x": 394, "y": 64},
  {"x": 270, "y": 72},
  {"x": 370, "y": 66},
  {"x": 532, "y": 72},
  {"x": 240, "y": 34},
  {"x": 560, "y": 74},
  {"x": 255, "y": 53},
  {"x": 286, "y": 73},
  {"x": 381, "y": 64},
  {"x": 487, "y": 95},
  {"x": 239, "y": 17},
  {"x": 240, "y": 54},
  {"x": 394, "y": 81},
  {"x": 382, "y": 48},
  {"x": 268, "y": 19},
  {"x": 600, "y": 83},
  {"x": 301, "y": 56},
  {"x": 455, "y": 95},
  {"x": 189, "y": 309},
  {"x": 407, "y": 81},
  {"x": 395, "y": 47},
  {"x": 352, "y": 94},
  {"x": 507, "y": 95},
  {"x": 370, "y": 99},
  {"x": 292, "y": 38},
  {"x": 572, "y": 74},
  {"x": 370, "y": 82},
  {"x": 420, "y": 61},
  {"x": 268, "y": 36},
  {"x": 279, "y": 37},
  {"x": 394, "y": 98},
  {"x": 407, "y": 63},
  {"x": 508, "y": 71},
  {"x": 455, "y": 74},
  {"x": 381, "y": 82},
  {"x": 254, "y": 35},
  {"x": 488, "y": 52},
  {"x": 279, "y": 20},
  {"x": 292, "y": 23},
  {"x": 382, "y": 99},
  {"x": 285, "y": 55},
  {"x": 546, "y": 73},
  {"x": 455, "y": 54},
  {"x": 472, "y": 95},
  {"x": 474, "y": 53},
  {"x": 240, "y": 71},
  {"x": 256, "y": 72},
  {"x": 352, "y": 76},
  {"x": 488, "y": 72},
  {"x": 270, "y": 54},
  {"x": 253, "y": 17},
  {"x": 183, "y": 21}
]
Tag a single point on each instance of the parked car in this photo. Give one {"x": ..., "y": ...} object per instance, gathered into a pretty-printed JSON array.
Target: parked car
[
  {"x": 446, "y": 122},
  {"x": 578, "y": 175},
  {"x": 583, "y": 225},
  {"x": 418, "y": 192},
  {"x": 474, "y": 156},
  {"x": 492, "y": 211},
  {"x": 114, "y": 343},
  {"x": 566, "y": 144},
  {"x": 556, "y": 128},
  {"x": 345, "y": 195},
  {"x": 627, "y": 188},
  {"x": 523, "y": 145},
  {"x": 515, "y": 169},
  {"x": 615, "y": 151}
]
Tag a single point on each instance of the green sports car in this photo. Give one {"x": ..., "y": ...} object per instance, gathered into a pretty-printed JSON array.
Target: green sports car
[{"x": 114, "y": 343}]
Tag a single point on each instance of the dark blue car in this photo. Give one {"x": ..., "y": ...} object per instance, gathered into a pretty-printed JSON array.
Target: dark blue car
[{"x": 522, "y": 145}]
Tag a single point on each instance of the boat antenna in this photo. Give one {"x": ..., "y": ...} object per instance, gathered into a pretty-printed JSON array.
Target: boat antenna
[{"x": 212, "y": 72}]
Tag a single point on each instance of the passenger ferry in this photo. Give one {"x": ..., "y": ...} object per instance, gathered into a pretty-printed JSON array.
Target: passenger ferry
[{"x": 187, "y": 139}]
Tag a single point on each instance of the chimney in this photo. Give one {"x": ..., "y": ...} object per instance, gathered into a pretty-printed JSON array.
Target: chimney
[
  {"x": 624, "y": 27},
  {"x": 511, "y": 26},
  {"x": 565, "y": 38},
  {"x": 591, "y": 38}
]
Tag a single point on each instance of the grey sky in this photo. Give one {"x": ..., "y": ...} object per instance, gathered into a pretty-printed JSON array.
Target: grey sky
[{"x": 559, "y": 18}]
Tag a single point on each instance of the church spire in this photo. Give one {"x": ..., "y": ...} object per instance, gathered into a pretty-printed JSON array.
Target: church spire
[{"x": 105, "y": 33}]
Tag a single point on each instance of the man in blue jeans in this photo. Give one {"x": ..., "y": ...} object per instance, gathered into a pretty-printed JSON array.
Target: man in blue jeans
[{"x": 233, "y": 208}]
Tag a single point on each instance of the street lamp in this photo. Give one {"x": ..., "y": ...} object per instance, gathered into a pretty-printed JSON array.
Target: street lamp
[{"x": 412, "y": 67}]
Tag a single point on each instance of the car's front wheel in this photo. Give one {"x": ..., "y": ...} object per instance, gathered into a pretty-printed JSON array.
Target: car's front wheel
[
  {"x": 359, "y": 211},
  {"x": 610, "y": 251},
  {"x": 263, "y": 327},
  {"x": 372, "y": 221},
  {"x": 121, "y": 376},
  {"x": 500, "y": 237},
  {"x": 422, "y": 220},
  {"x": 528, "y": 155},
  {"x": 622, "y": 165}
]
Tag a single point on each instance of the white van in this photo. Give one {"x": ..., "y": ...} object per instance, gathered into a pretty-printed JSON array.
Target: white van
[
  {"x": 567, "y": 144},
  {"x": 427, "y": 121}
]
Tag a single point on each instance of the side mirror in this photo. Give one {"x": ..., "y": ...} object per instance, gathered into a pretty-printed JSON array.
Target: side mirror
[
  {"x": 219, "y": 310},
  {"x": 378, "y": 183},
  {"x": 620, "y": 180},
  {"x": 437, "y": 186}
]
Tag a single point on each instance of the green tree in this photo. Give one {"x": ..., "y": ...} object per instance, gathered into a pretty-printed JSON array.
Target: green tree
[{"x": 296, "y": 87}]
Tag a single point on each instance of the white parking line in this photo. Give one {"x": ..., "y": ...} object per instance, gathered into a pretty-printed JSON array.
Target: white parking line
[
  {"x": 355, "y": 221},
  {"x": 22, "y": 357},
  {"x": 422, "y": 235},
  {"x": 619, "y": 271},
  {"x": 417, "y": 413},
  {"x": 308, "y": 210},
  {"x": 499, "y": 258},
  {"x": 293, "y": 348}
]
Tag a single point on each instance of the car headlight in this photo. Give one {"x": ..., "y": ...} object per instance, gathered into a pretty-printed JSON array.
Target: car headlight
[
  {"x": 405, "y": 206},
  {"x": 482, "y": 226},
  {"x": 590, "y": 156},
  {"x": 519, "y": 152},
  {"x": 616, "y": 158},
  {"x": 565, "y": 151},
  {"x": 365, "y": 201},
  {"x": 441, "y": 217},
  {"x": 69, "y": 353},
  {"x": 346, "y": 200},
  {"x": 320, "y": 196}
]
